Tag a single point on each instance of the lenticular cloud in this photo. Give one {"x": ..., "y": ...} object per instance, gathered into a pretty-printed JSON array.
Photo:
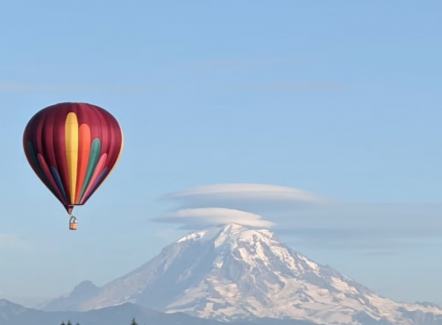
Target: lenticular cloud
[
  {"x": 211, "y": 216},
  {"x": 240, "y": 203},
  {"x": 246, "y": 191}
]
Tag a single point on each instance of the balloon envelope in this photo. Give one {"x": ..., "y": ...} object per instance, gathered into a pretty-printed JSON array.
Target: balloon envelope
[{"x": 73, "y": 147}]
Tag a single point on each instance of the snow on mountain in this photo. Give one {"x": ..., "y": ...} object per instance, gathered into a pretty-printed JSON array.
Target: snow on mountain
[{"x": 232, "y": 272}]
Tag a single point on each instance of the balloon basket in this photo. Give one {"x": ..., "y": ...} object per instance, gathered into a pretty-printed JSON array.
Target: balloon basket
[{"x": 73, "y": 224}]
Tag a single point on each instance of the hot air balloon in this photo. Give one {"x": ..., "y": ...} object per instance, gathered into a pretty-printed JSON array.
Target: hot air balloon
[{"x": 73, "y": 148}]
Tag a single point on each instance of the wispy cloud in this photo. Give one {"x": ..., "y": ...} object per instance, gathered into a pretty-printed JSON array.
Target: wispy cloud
[
  {"x": 262, "y": 63},
  {"x": 25, "y": 87},
  {"x": 196, "y": 218},
  {"x": 294, "y": 86},
  {"x": 309, "y": 220},
  {"x": 11, "y": 242},
  {"x": 281, "y": 86},
  {"x": 251, "y": 62},
  {"x": 369, "y": 226}
]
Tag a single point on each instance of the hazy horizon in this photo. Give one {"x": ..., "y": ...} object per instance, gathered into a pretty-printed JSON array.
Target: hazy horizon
[{"x": 319, "y": 122}]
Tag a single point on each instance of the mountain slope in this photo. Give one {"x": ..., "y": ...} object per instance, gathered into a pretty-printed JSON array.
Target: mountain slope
[
  {"x": 13, "y": 314},
  {"x": 231, "y": 272}
]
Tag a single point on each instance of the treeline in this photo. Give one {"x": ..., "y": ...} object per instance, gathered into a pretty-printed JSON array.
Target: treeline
[{"x": 134, "y": 322}]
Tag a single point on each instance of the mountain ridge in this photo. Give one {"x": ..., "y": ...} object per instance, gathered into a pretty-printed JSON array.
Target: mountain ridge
[{"x": 15, "y": 314}]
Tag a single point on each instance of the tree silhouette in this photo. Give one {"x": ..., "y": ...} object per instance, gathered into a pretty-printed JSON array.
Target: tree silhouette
[
  {"x": 68, "y": 323},
  {"x": 134, "y": 322}
]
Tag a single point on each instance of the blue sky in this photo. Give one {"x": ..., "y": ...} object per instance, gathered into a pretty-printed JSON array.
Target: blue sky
[{"x": 337, "y": 98}]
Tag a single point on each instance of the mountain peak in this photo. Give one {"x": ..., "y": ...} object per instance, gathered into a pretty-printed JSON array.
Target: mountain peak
[
  {"x": 6, "y": 305},
  {"x": 220, "y": 233},
  {"x": 5, "y": 302},
  {"x": 81, "y": 292}
]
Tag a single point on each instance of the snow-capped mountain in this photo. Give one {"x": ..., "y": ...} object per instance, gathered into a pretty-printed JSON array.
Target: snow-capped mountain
[{"x": 231, "y": 272}]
